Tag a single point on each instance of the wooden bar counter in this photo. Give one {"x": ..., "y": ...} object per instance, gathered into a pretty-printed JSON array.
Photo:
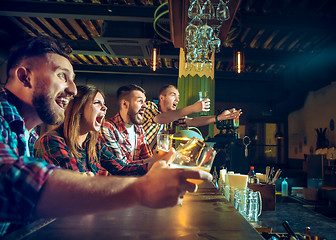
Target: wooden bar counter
[{"x": 204, "y": 215}]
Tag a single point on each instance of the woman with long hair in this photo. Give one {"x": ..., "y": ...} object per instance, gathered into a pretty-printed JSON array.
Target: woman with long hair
[{"x": 75, "y": 144}]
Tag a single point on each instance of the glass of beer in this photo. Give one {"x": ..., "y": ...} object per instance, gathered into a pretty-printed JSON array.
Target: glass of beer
[
  {"x": 194, "y": 154},
  {"x": 164, "y": 142}
]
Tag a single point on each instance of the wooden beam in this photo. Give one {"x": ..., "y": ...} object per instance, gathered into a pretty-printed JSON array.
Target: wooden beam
[
  {"x": 73, "y": 10},
  {"x": 233, "y": 6},
  {"x": 178, "y": 14}
]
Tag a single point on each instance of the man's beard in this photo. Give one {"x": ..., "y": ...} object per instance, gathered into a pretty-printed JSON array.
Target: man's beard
[
  {"x": 134, "y": 120},
  {"x": 43, "y": 106}
]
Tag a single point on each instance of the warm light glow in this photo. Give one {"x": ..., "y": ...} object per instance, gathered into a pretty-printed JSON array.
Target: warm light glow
[
  {"x": 181, "y": 138},
  {"x": 238, "y": 62},
  {"x": 154, "y": 58}
]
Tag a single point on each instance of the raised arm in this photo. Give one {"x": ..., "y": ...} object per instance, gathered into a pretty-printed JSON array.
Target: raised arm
[
  {"x": 173, "y": 115},
  {"x": 206, "y": 120}
]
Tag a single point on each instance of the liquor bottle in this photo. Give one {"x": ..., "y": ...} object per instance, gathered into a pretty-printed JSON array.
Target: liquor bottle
[
  {"x": 252, "y": 178},
  {"x": 284, "y": 188}
]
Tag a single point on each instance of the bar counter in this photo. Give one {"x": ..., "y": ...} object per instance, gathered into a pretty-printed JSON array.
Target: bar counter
[{"x": 204, "y": 215}]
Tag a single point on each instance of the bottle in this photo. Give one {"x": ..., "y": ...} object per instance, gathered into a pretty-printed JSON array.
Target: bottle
[
  {"x": 284, "y": 188},
  {"x": 235, "y": 121},
  {"x": 252, "y": 178}
]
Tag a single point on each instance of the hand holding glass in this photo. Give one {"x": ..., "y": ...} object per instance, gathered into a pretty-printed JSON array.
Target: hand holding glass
[
  {"x": 205, "y": 104},
  {"x": 195, "y": 154}
]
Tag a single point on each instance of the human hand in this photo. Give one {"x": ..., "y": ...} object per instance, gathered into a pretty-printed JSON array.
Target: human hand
[
  {"x": 205, "y": 105},
  {"x": 202, "y": 106},
  {"x": 168, "y": 157},
  {"x": 163, "y": 186},
  {"x": 229, "y": 114}
]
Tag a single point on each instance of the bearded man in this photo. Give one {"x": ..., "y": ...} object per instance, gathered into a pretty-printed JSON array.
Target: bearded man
[{"x": 123, "y": 134}]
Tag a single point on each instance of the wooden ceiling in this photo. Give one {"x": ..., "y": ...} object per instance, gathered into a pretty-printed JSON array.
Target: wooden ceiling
[{"x": 112, "y": 36}]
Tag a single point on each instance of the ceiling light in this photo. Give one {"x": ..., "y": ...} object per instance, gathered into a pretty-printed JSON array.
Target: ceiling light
[
  {"x": 154, "y": 54},
  {"x": 154, "y": 59},
  {"x": 238, "y": 59}
]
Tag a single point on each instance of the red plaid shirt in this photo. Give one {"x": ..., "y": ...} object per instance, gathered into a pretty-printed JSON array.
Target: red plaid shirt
[
  {"x": 115, "y": 137},
  {"x": 21, "y": 175},
  {"x": 54, "y": 150}
]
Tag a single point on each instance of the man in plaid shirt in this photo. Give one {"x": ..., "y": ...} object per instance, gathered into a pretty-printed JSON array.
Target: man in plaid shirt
[
  {"x": 123, "y": 134},
  {"x": 164, "y": 116},
  {"x": 23, "y": 107},
  {"x": 40, "y": 83}
]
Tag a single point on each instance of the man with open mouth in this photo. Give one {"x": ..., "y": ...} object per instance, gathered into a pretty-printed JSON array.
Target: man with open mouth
[
  {"x": 164, "y": 116},
  {"x": 123, "y": 134}
]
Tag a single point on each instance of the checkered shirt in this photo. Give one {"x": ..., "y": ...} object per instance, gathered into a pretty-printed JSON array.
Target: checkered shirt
[{"x": 115, "y": 137}]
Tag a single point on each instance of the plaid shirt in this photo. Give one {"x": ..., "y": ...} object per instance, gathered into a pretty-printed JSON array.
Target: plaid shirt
[
  {"x": 21, "y": 176},
  {"x": 53, "y": 149},
  {"x": 152, "y": 128},
  {"x": 115, "y": 137}
]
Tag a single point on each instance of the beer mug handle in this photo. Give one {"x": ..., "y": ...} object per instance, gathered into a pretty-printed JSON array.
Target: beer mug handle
[{"x": 260, "y": 203}]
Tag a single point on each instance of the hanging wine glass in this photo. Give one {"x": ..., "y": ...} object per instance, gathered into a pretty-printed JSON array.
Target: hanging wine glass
[
  {"x": 191, "y": 33},
  {"x": 199, "y": 65},
  {"x": 208, "y": 64},
  {"x": 215, "y": 44},
  {"x": 204, "y": 36},
  {"x": 208, "y": 61},
  {"x": 207, "y": 11},
  {"x": 194, "y": 9},
  {"x": 196, "y": 22},
  {"x": 191, "y": 55},
  {"x": 190, "y": 45},
  {"x": 191, "y": 58},
  {"x": 202, "y": 58},
  {"x": 207, "y": 31},
  {"x": 216, "y": 24},
  {"x": 222, "y": 11},
  {"x": 188, "y": 65},
  {"x": 201, "y": 40}
]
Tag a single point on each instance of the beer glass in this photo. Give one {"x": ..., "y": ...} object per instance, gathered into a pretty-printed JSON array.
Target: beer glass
[
  {"x": 164, "y": 142},
  {"x": 194, "y": 154}
]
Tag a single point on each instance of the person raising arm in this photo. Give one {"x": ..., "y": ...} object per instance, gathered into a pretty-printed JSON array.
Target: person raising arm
[{"x": 165, "y": 116}]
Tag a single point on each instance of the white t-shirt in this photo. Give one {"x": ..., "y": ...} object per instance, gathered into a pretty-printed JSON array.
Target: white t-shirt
[{"x": 131, "y": 135}]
